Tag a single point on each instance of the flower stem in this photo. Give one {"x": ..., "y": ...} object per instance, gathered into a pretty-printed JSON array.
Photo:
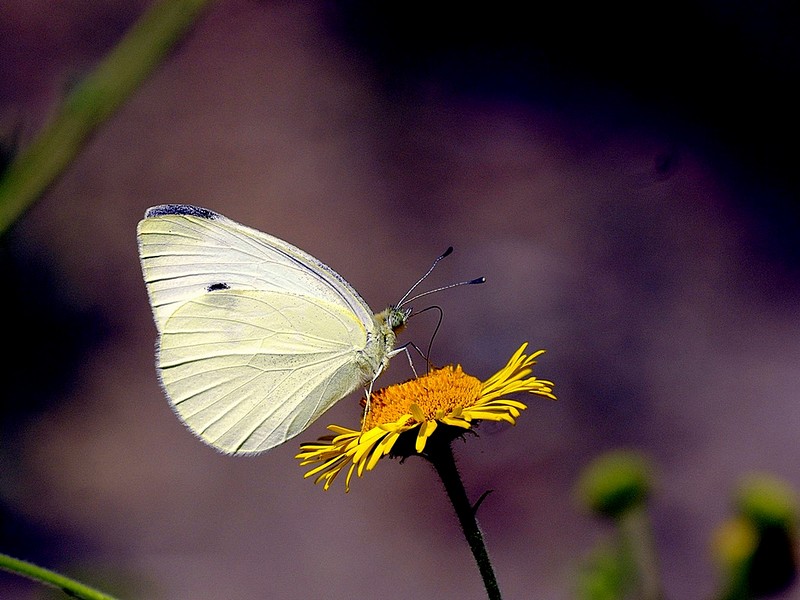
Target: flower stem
[
  {"x": 51, "y": 578},
  {"x": 441, "y": 457},
  {"x": 92, "y": 101},
  {"x": 635, "y": 528}
]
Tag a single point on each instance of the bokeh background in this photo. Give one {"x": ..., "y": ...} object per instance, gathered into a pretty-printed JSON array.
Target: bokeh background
[{"x": 624, "y": 175}]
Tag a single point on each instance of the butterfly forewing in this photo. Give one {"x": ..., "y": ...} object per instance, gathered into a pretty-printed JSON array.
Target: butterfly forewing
[{"x": 186, "y": 250}]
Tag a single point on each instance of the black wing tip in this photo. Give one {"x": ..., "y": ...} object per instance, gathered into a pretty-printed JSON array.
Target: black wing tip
[{"x": 180, "y": 209}]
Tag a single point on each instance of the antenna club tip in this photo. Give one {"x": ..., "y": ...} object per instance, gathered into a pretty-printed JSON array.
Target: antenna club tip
[
  {"x": 447, "y": 252},
  {"x": 477, "y": 280}
]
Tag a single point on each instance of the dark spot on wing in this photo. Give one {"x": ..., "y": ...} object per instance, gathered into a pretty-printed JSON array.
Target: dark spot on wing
[
  {"x": 180, "y": 209},
  {"x": 218, "y": 286}
]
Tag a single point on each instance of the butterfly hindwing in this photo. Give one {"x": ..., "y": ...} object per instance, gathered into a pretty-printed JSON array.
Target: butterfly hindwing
[{"x": 226, "y": 354}]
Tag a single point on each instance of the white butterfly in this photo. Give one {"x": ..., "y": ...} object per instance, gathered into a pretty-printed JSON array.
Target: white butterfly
[{"x": 256, "y": 338}]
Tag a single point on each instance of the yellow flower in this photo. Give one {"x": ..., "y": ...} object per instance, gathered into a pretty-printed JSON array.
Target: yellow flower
[{"x": 443, "y": 397}]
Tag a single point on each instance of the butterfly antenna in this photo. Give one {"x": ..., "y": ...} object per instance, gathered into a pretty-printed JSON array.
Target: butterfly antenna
[
  {"x": 446, "y": 287},
  {"x": 447, "y": 252}
]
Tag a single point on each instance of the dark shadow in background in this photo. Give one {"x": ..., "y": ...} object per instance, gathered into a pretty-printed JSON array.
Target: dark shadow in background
[
  {"x": 45, "y": 339},
  {"x": 725, "y": 73}
]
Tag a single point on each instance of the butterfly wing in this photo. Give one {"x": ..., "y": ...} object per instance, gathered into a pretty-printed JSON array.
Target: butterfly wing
[
  {"x": 257, "y": 338},
  {"x": 247, "y": 370},
  {"x": 187, "y": 251}
]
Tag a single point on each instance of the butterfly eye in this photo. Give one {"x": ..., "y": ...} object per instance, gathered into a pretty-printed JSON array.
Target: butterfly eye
[{"x": 397, "y": 318}]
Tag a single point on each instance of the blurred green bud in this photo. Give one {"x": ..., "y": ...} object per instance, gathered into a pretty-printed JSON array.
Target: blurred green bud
[
  {"x": 757, "y": 547},
  {"x": 734, "y": 543},
  {"x": 767, "y": 501},
  {"x": 615, "y": 482}
]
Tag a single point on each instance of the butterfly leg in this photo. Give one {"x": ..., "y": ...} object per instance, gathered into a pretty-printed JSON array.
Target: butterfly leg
[
  {"x": 410, "y": 362},
  {"x": 368, "y": 394},
  {"x": 404, "y": 348}
]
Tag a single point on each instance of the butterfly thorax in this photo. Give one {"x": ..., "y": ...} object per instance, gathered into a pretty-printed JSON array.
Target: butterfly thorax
[{"x": 388, "y": 324}]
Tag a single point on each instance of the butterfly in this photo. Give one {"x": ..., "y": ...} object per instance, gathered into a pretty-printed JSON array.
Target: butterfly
[{"x": 256, "y": 338}]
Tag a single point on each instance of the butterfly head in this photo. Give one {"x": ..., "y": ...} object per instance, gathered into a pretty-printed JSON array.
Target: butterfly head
[{"x": 394, "y": 318}]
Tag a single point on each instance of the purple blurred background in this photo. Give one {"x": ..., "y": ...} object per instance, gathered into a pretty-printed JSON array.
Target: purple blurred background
[{"x": 625, "y": 177}]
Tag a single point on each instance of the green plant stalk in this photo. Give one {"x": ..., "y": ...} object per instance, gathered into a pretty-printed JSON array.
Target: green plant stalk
[
  {"x": 637, "y": 541},
  {"x": 93, "y": 100},
  {"x": 441, "y": 457},
  {"x": 51, "y": 578}
]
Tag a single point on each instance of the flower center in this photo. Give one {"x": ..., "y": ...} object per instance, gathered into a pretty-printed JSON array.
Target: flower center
[{"x": 438, "y": 393}]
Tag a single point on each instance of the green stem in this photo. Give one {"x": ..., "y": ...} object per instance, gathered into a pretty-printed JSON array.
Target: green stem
[
  {"x": 634, "y": 526},
  {"x": 441, "y": 456},
  {"x": 92, "y": 102},
  {"x": 51, "y": 578}
]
